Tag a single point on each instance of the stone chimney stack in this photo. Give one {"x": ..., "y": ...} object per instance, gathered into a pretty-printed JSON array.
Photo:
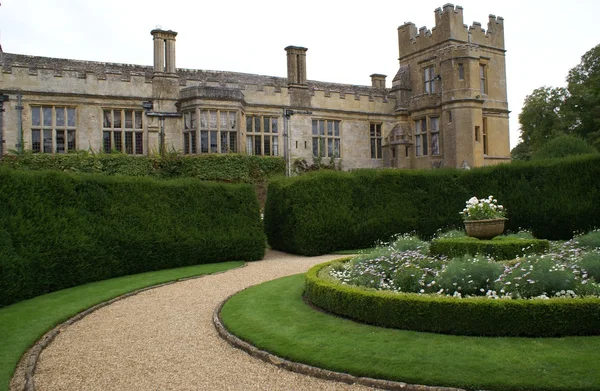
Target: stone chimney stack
[
  {"x": 164, "y": 51},
  {"x": 296, "y": 65},
  {"x": 377, "y": 80}
]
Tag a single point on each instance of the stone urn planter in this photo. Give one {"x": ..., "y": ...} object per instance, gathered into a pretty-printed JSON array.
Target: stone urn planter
[{"x": 485, "y": 229}]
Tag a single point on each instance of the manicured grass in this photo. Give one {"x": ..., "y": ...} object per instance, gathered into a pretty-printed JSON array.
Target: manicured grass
[
  {"x": 273, "y": 317},
  {"x": 23, "y": 323}
]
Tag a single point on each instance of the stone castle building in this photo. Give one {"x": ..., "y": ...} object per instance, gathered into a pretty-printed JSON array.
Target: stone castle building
[{"x": 447, "y": 106}]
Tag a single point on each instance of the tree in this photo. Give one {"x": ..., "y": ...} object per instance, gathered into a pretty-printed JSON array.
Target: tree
[
  {"x": 550, "y": 112},
  {"x": 583, "y": 103},
  {"x": 564, "y": 146},
  {"x": 541, "y": 119}
]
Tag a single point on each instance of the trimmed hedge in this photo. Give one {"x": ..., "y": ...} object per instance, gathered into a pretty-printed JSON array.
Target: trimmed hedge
[
  {"x": 446, "y": 315},
  {"x": 323, "y": 212},
  {"x": 211, "y": 167},
  {"x": 60, "y": 230},
  {"x": 499, "y": 248}
]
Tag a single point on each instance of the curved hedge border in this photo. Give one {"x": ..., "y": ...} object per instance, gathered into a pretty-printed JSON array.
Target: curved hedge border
[
  {"x": 472, "y": 316},
  {"x": 498, "y": 248}
]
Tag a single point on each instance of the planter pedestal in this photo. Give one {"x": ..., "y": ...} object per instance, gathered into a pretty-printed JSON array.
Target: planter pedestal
[{"x": 484, "y": 229}]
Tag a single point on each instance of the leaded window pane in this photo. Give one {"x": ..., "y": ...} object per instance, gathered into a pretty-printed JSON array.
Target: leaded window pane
[
  {"x": 129, "y": 142},
  {"x": 232, "y": 120},
  {"x": 186, "y": 143},
  {"x": 47, "y": 141},
  {"x": 107, "y": 142},
  {"x": 47, "y": 111},
  {"x": 118, "y": 141},
  {"x": 257, "y": 145},
  {"x": 70, "y": 117},
  {"x": 107, "y": 118},
  {"x": 35, "y": 140},
  {"x": 139, "y": 143},
  {"x": 232, "y": 142},
  {"x": 71, "y": 140},
  {"x": 257, "y": 124},
  {"x": 213, "y": 121},
  {"x": 60, "y": 116},
  {"x": 249, "y": 147},
  {"x": 213, "y": 142},
  {"x": 249, "y": 124},
  {"x": 223, "y": 116},
  {"x": 138, "y": 119},
  {"x": 60, "y": 141},
  {"x": 224, "y": 142},
  {"x": 204, "y": 119},
  {"x": 117, "y": 117},
  {"x": 274, "y": 128},
  {"x": 194, "y": 142},
  {"x": 36, "y": 116},
  {"x": 204, "y": 142},
  {"x": 128, "y": 119}
]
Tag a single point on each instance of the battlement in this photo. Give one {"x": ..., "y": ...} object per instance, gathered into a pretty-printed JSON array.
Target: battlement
[
  {"x": 39, "y": 69},
  {"x": 449, "y": 26}
]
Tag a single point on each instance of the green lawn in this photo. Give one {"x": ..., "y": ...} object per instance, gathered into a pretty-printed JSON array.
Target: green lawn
[
  {"x": 23, "y": 323},
  {"x": 273, "y": 317}
]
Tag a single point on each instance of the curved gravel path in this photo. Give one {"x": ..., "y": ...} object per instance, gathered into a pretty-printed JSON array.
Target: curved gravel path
[{"x": 164, "y": 339}]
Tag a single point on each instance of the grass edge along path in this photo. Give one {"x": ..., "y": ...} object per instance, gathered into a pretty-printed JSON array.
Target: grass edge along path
[
  {"x": 23, "y": 323},
  {"x": 273, "y": 317}
]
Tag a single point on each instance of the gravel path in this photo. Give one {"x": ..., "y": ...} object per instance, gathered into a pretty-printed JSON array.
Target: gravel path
[{"x": 164, "y": 339}]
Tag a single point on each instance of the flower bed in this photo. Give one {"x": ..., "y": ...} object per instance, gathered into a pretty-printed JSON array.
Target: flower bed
[{"x": 401, "y": 286}]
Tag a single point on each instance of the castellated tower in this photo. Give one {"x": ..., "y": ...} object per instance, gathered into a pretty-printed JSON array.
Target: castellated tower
[{"x": 451, "y": 93}]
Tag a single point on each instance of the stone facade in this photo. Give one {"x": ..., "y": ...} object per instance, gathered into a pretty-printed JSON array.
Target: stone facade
[{"x": 447, "y": 106}]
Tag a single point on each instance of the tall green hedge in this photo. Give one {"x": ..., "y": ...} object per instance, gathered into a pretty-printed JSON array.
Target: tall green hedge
[
  {"x": 60, "y": 230},
  {"x": 327, "y": 211},
  {"x": 213, "y": 167}
]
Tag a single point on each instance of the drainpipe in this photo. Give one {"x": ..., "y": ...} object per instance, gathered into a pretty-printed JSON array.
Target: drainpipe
[
  {"x": 148, "y": 107},
  {"x": 3, "y": 98},
  {"x": 286, "y": 155},
  {"x": 19, "y": 123}
]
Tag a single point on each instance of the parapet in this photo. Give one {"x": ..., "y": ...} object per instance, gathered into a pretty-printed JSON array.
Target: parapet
[
  {"x": 449, "y": 25},
  {"x": 60, "y": 66},
  {"x": 40, "y": 67}
]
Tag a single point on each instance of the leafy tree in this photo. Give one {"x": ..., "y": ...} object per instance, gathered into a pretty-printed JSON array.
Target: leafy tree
[
  {"x": 564, "y": 146},
  {"x": 551, "y": 112},
  {"x": 521, "y": 152},
  {"x": 542, "y": 117},
  {"x": 583, "y": 102}
]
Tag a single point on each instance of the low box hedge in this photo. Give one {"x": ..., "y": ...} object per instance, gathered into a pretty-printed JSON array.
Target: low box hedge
[
  {"x": 499, "y": 248},
  {"x": 60, "y": 230},
  {"x": 470, "y": 316}
]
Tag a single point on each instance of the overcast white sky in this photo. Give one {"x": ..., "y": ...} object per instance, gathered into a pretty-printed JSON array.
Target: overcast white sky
[{"x": 347, "y": 42}]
